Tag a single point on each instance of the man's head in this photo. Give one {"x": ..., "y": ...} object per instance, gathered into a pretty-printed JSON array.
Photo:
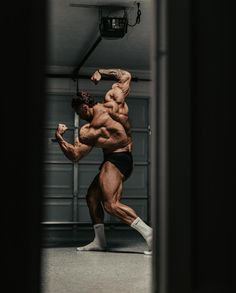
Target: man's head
[{"x": 83, "y": 104}]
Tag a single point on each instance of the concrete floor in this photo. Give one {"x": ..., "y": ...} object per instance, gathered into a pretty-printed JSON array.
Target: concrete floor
[{"x": 124, "y": 268}]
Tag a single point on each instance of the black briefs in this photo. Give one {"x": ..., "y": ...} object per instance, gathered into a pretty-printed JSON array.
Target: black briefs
[{"x": 123, "y": 161}]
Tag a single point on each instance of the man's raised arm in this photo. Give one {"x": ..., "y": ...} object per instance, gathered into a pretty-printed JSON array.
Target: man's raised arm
[
  {"x": 72, "y": 152},
  {"x": 119, "y": 74},
  {"x": 123, "y": 78}
]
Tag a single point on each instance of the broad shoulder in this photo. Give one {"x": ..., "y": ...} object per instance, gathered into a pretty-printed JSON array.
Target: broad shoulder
[
  {"x": 100, "y": 115},
  {"x": 98, "y": 108}
]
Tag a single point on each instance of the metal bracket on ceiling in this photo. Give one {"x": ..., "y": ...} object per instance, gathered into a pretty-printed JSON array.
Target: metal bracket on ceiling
[{"x": 75, "y": 73}]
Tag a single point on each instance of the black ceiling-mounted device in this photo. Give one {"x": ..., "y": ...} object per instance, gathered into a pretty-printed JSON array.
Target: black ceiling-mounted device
[{"x": 113, "y": 27}]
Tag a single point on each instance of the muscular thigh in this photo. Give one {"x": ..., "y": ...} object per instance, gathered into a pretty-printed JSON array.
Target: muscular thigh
[
  {"x": 111, "y": 182},
  {"x": 94, "y": 189}
]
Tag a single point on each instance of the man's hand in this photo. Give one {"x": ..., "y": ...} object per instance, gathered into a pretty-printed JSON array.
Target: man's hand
[
  {"x": 96, "y": 77},
  {"x": 61, "y": 129}
]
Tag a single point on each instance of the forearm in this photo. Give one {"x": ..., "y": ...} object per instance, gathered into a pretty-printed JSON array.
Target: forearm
[
  {"x": 68, "y": 149},
  {"x": 116, "y": 73}
]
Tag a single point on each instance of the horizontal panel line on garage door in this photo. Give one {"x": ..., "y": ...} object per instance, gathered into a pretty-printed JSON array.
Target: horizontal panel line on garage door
[
  {"x": 67, "y": 162},
  {"x": 99, "y": 162},
  {"x": 92, "y": 163},
  {"x": 52, "y": 126},
  {"x": 47, "y": 127},
  {"x": 86, "y": 224},
  {"x": 123, "y": 197},
  {"x": 59, "y": 223},
  {"x": 58, "y": 196},
  {"x": 83, "y": 197},
  {"x": 139, "y": 130}
]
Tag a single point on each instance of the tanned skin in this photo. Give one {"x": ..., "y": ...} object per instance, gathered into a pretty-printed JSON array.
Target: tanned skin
[
  {"x": 109, "y": 129},
  {"x": 114, "y": 99}
]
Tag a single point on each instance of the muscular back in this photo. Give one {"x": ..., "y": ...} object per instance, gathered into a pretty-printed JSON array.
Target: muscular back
[
  {"x": 112, "y": 137},
  {"x": 114, "y": 99},
  {"x": 114, "y": 103}
]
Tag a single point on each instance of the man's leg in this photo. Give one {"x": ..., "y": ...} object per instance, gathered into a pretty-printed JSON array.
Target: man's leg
[
  {"x": 93, "y": 199},
  {"x": 97, "y": 215},
  {"x": 111, "y": 183}
]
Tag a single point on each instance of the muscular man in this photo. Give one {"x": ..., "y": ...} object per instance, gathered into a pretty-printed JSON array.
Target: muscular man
[{"x": 105, "y": 191}]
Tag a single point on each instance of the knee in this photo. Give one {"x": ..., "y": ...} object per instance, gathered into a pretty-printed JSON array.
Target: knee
[{"x": 110, "y": 206}]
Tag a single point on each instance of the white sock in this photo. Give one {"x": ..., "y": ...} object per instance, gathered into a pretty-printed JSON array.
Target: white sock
[
  {"x": 99, "y": 242},
  {"x": 146, "y": 231}
]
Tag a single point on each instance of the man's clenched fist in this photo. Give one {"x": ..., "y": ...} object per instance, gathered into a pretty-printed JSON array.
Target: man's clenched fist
[
  {"x": 61, "y": 128},
  {"x": 96, "y": 77}
]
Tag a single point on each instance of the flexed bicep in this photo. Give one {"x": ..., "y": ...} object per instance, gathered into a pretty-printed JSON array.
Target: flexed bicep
[
  {"x": 74, "y": 152},
  {"x": 81, "y": 150}
]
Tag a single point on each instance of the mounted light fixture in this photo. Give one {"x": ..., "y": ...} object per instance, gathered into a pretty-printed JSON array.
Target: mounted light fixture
[
  {"x": 116, "y": 26},
  {"x": 111, "y": 27}
]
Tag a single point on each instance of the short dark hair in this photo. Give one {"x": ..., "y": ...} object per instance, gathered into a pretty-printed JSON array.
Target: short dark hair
[{"x": 82, "y": 98}]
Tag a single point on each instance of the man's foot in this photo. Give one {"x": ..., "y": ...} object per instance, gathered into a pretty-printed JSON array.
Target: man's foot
[
  {"x": 148, "y": 252},
  {"x": 146, "y": 231},
  {"x": 93, "y": 246}
]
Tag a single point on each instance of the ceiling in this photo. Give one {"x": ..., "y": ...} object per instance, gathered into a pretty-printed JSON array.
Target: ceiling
[{"x": 72, "y": 30}]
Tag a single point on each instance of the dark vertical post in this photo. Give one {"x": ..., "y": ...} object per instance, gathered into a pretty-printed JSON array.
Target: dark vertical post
[
  {"x": 179, "y": 131},
  {"x": 22, "y": 89},
  {"x": 160, "y": 154},
  {"x": 172, "y": 257},
  {"x": 213, "y": 146}
]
